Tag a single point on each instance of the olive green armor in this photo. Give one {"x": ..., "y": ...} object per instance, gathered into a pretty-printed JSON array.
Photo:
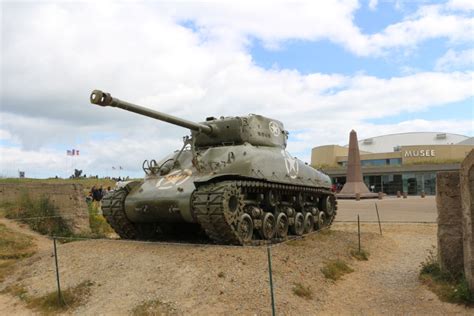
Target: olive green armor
[{"x": 232, "y": 179}]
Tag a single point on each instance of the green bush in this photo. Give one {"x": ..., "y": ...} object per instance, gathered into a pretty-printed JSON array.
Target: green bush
[
  {"x": 362, "y": 255},
  {"x": 448, "y": 287},
  {"x": 302, "y": 291},
  {"x": 99, "y": 226},
  {"x": 335, "y": 269}
]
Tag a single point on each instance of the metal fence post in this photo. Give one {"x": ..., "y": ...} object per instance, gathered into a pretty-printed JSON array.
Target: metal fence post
[
  {"x": 60, "y": 298},
  {"x": 378, "y": 218},
  {"x": 358, "y": 229},
  {"x": 271, "y": 278}
]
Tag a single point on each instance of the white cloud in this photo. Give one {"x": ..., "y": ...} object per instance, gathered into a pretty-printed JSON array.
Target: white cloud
[
  {"x": 373, "y": 4},
  {"x": 452, "y": 60},
  {"x": 5, "y": 135},
  {"x": 429, "y": 22},
  {"x": 278, "y": 21},
  {"x": 54, "y": 55},
  {"x": 463, "y": 5}
]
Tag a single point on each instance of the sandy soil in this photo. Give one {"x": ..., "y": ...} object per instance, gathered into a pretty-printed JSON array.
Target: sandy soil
[
  {"x": 10, "y": 305},
  {"x": 389, "y": 284},
  {"x": 217, "y": 280}
]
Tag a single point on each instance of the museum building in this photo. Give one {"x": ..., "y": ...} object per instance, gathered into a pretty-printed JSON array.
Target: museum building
[{"x": 405, "y": 162}]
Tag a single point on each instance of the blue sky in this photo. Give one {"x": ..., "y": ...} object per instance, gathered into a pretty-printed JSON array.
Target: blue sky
[{"x": 323, "y": 68}]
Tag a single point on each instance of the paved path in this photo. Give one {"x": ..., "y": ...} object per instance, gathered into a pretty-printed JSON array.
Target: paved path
[{"x": 391, "y": 209}]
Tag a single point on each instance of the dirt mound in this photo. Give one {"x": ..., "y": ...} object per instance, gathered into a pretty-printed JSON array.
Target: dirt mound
[
  {"x": 67, "y": 198},
  {"x": 224, "y": 280}
]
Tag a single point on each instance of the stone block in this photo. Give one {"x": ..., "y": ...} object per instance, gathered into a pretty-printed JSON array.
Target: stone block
[
  {"x": 450, "y": 230},
  {"x": 467, "y": 203}
]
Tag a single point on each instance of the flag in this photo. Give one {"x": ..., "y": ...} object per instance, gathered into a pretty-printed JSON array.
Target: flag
[{"x": 72, "y": 152}]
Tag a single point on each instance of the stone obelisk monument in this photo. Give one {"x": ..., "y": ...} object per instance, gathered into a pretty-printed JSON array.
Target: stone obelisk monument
[{"x": 354, "y": 182}]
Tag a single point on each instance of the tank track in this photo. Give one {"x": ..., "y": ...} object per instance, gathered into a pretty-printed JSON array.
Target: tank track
[
  {"x": 210, "y": 205},
  {"x": 113, "y": 209},
  {"x": 114, "y": 212}
]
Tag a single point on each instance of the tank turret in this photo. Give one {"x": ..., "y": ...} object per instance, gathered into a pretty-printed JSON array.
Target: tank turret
[{"x": 254, "y": 129}]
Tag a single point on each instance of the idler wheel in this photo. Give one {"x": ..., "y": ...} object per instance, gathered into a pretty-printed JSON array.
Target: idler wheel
[
  {"x": 282, "y": 224},
  {"x": 321, "y": 220},
  {"x": 268, "y": 226},
  {"x": 245, "y": 227},
  {"x": 298, "y": 227},
  {"x": 308, "y": 223},
  {"x": 328, "y": 205}
]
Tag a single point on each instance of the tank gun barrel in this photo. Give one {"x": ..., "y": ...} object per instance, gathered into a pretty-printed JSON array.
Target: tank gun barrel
[{"x": 105, "y": 99}]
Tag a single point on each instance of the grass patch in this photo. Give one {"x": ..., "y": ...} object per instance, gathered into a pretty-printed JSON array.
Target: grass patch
[
  {"x": 49, "y": 303},
  {"x": 335, "y": 269},
  {"x": 449, "y": 288},
  {"x": 362, "y": 255},
  {"x": 6, "y": 207},
  {"x": 72, "y": 298},
  {"x": 99, "y": 226},
  {"x": 16, "y": 290},
  {"x": 40, "y": 215},
  {"x": 303, "y": 241},
  {"x": 153, "y": 308},
  {"x": 302, "y": 291},
  {"x": 13, "y": 247},
  {"x": 86, "y": 182}
]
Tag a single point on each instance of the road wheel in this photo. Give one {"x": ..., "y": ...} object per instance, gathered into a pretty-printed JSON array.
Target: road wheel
[
  {"x": 298, "y": 227},
  {"x": 282, "y": 225}
]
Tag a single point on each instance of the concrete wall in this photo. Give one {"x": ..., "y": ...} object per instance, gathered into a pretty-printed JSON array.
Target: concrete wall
[
  {"x": 326, "y": 155},
  {"x": 467, "y": 201},
  {"x": 434, "y": 153},
  {"x": 68, "y": 198},
  {"x": 450, "y": 235},
  {"x": 455, "y": 203},
  {"x": 330, "y": 155}
]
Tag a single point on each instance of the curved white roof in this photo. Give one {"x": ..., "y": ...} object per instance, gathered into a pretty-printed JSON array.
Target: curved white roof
[
  {"x": 387, "y": 143},
  {"x": 469, "y": 141}
]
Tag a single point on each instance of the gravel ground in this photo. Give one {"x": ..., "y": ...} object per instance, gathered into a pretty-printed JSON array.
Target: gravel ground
[
  {"x": 217, "y": 280},
  {"x": 389, "y": 283}
]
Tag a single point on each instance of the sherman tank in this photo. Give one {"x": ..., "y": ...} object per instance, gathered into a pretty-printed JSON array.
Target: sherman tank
[{"x": 232, "y": 179}]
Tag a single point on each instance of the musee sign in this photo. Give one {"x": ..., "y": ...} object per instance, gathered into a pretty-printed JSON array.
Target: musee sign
[{"x": 420, "y": 153}]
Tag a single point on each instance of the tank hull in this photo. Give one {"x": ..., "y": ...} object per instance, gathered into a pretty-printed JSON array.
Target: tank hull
[
  {"x": 228, "y": 185},
  {"x": 168, "y": 198}
]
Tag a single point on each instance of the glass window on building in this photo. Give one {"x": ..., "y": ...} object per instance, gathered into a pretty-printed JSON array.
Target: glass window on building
[
  {"x": 373, "y": 162},
  {"x": 381, "y": 162},
  {"x": 395, "y": 161},
  {"x": 410, "y": 183},
  {"x": 430, "y": 183},
  {"x": 415, "y": 183},
  {"x": 392, "y": 183},
  {"x": 374, "y": 183}
]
